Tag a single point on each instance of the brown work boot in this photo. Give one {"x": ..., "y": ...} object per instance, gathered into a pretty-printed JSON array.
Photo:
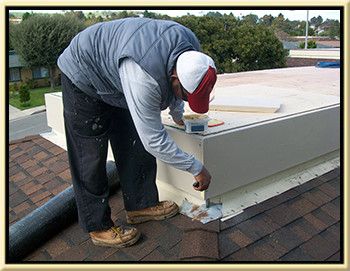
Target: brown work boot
[
  {"x": 116, "y": 236},
  {"x": 163, "y": 210}
]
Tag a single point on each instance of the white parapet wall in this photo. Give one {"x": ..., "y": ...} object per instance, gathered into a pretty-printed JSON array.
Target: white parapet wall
[
  {"x": 55, "y": 120},
  {"x": 252, "y": 152},
  {"x": 332, "y": 53}
]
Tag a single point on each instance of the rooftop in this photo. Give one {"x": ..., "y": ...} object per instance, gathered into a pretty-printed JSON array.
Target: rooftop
[
  {"x": 14, "y": 60},
  {"x": 304, "y": 224}
]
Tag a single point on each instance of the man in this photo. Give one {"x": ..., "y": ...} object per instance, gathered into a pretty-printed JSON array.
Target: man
[{"x": 117, "y": 76}]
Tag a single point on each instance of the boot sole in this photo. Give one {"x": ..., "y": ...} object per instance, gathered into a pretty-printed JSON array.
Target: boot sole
[
  {"x": 120, "y": 245},
  {"x": 141, "y": 219}
]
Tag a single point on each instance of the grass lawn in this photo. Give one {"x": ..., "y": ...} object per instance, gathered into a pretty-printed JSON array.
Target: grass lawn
[{"x": 36, "y": 98}]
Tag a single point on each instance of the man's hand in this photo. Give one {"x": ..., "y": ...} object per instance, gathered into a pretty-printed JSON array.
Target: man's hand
[{"x": 203, "y": 179}]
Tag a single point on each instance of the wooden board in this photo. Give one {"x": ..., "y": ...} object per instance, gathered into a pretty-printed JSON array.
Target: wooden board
[{"x": 242, "y": 104}]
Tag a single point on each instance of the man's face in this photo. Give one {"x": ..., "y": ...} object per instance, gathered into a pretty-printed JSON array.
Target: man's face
[{"x": 177, "y": 88}]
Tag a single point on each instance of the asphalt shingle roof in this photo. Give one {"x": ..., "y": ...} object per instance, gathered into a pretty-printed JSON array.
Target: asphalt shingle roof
[
  {"x": 304, "y": 224},
  {"x": 15, "y": 61}
]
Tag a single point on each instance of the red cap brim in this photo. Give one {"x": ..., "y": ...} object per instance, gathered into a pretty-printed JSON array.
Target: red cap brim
[{"x": 199, "y": 99}]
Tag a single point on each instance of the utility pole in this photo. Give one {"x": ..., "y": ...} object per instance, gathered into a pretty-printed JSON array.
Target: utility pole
[{"x": 307, "y": 28}]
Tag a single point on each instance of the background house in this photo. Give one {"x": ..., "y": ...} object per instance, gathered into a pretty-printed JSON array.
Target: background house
[{"x": 19, "y": 73}]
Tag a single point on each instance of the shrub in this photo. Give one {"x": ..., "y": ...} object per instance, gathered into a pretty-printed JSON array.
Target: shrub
[
  {"x": 310, "y": 44},
  {"x": 13, "y": 88},
  {"x": 24, "y": 93},
  {"x": 31, "y": 83}
]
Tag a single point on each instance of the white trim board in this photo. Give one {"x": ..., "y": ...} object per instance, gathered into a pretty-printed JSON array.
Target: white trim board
[{"x": 242, "y": 104}]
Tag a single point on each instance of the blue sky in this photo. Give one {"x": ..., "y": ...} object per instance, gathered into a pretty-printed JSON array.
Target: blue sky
[{"x": 288, "y": 14}]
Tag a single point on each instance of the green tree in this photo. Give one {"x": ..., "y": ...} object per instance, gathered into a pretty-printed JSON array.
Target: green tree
[
  {"x": 302, "y": 29},
  {"x": 250, "y": 19},
  {"x": 266, "y": 20},
  {"x": 332, "y": 28},
  {"x": 235, "y": 46},
  {"x": 316, "y": 21},
  {"x": 42, "y": 38},
  {"x": 215, "y": 36},
  {"x": 26, "y": 16},
  {"x": 79, "y": 14},
  {"x": 10, "y": 40},
  {"x": 256, "y": 47}
]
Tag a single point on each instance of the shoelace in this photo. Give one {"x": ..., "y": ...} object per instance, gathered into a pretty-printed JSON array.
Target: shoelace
[{"x": 115, "y": 230}]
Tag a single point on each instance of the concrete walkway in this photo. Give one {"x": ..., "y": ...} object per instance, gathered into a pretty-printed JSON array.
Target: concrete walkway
[{"x": 15, "y": 113}]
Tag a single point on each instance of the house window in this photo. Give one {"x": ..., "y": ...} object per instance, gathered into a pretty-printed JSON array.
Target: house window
[
  {"x": 15, "y": 75},
  {"x": 40, "y": 73}
]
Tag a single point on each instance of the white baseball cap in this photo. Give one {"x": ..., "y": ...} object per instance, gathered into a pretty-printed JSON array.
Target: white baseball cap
[{"x": 197, "y": 74}]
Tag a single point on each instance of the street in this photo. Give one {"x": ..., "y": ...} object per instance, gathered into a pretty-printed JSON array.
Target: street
[{"x": 28, "y": 125}]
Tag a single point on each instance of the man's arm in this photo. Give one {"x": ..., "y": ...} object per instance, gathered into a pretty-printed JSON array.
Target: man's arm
[
  {"x": 143, "y": 97},
  {"x": 177, "y": 110}
]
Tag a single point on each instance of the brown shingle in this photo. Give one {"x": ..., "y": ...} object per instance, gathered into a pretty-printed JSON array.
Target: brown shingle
[
  {"x": 56, "y": 246},
  {"x": 55, "y": 150},
  {"x": 316, "y": 196},
  {"x": 58, "y": 167},
  {"x": 39, "y": 257},
  {"x": 282, "y": 214},
  {"x": 240, "y": 238},
  {"x": 332, "y": 210},
  {"x": 52, "y": 184},
  {"x": 17, "y": 198},
  {"x": 300, "y": 205},
  {"x": 22, "y": 206},
  {"x": 270, "y": 203},
  {"x": 226, "y": 244},
  {"x": 39, "y": 195},
  {"x": 59, "y": 189},
  {"x": 20, "y": 176},
  {"x": 141, "y": 249},
  {"x": 318, "y": 224},
  {"x": 74, "y": 235},
  {"x": 199, "y": 243},
  {"x": 167, "y": 240},
  {"x": 334, "y": 229},
  {"x": 335, "y": 258},
  {"x": 12, "y": 188},
  {"x": 50, "y": 161},
  {"x": 17, "y": 153},
  {"x": 303, "y": 229},
  {"x": 121, "y": 256},
  {"x": 44, "y": 200},
  {"x": 45, "y": 177},
  {"x": 65, "y": 175},
  {"x": 242, "y": 255},
  {"x": 75, "y": 253},
  {"x": 330, "y": 190},
  {"x": 28, "y": 164},
  {"x": 97, "y": 253},
  {"x": 267, "y": 250},
  {"x": 23, "y": 158},
  {"x": 328, "y": 248},
  {"x": 325, "y": 217},
  {"x": 286, "y": 238},
  {"x": 159, "y": 255},
  {"x": 38, "y": 172},
  {"x": 14, "y": 169},
  {"x": 31, "y": 188},
  {"x": 297, "y": 255},
  {"x": 152, "y": 229}
]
